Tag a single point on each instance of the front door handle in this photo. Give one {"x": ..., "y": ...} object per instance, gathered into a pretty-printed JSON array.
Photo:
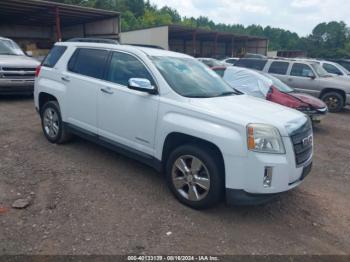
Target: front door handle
[
  {"x": 65, "y": 78},
  {"x": 107, "y": 90}
]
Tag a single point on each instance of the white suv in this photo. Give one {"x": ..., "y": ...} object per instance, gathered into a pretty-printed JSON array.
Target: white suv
[{"x": 173, "y": 113}]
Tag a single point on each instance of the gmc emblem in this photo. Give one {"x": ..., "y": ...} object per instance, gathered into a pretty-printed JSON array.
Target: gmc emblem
[{"x": 307, "y": 141}]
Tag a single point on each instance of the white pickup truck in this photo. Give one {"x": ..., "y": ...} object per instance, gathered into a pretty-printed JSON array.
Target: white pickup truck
[
  {"x": 173, "y": 113},
  {"x": 16, "y": 69}
]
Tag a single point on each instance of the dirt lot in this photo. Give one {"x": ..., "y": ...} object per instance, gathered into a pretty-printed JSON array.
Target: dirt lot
[{"x": 89, "y": 200}]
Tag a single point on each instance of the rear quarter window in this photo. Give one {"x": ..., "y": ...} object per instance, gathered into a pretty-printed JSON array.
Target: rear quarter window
[{"x": 54, "y": 55}]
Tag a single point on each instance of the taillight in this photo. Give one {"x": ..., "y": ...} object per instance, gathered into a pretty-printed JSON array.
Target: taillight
[{"x": 37, "y": 71}]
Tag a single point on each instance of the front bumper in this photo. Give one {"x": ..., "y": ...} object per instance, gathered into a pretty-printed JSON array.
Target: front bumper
[
  {"x": 245, "y": 175},
  {"x": 236, "y": 197},
  {"x": 317, "y": 115},
  {"x": 13, "y": 87}
]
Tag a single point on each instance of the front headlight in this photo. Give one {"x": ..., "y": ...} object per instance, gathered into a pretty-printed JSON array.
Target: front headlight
[{"x": 264, "y": 139}]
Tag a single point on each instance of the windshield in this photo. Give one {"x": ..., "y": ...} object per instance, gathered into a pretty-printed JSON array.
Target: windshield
[
  {"x": 279, "y": 84},
  {"x": 320, "y": 70},
  {"x": 8, "y": 47},
  {"x": 343, "y": 69},
  {"x": 211, "y": 62},
  {"x": 190, "y": 78}
]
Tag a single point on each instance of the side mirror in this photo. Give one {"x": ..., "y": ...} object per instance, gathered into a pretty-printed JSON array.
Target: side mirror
[
  {"x": 142, "y": 85},
  {"x": 29, "y": 53},
  {"x": 311, "y": 75}
]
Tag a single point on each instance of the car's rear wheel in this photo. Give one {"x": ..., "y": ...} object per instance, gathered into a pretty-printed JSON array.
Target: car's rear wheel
[
  {"x": 195, "y": 176},
  {"x": 52, "y": 124},
  {"x": 334, "y": 101}
]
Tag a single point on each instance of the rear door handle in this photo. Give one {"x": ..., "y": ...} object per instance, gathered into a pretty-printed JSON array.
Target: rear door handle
[
  {"x": 65, "y": 78},
  {"x": 107, "y": 90}
]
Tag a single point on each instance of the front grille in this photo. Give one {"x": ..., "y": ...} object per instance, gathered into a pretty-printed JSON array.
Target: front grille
[
  {"x": 18, "y": 69},
  {"x": 17, "y": 73},
  {"x": 302, "y": 147}
]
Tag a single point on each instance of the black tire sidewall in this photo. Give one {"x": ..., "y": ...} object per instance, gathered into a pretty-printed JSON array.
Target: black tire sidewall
[
  {"x": 216, "y": 172},
  {"x": 54, "y": 105},
  {"x": 339, "y": 97}
]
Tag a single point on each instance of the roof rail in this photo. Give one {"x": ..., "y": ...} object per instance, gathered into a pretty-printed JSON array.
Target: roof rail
[{"x": 94, "y": 40}]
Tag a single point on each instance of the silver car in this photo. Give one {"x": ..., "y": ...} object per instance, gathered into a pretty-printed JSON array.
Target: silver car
[
  {"x": 306, "y": 77},
  {"x": 17, "y": 70}
]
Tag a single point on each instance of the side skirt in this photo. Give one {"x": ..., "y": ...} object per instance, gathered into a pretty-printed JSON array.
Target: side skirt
[{"x": 116, "y": 147}]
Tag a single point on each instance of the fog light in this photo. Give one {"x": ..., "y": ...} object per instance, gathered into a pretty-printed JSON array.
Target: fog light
[{"x": 268, "y": 177}]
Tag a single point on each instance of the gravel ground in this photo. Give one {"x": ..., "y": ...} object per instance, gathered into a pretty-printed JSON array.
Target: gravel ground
[{"x": 85, "y": 199}]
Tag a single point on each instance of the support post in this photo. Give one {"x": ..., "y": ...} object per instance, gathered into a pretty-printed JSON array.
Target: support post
[
  {"x": 194, "y": 34},
  {"x": 232, "y": 47},
  {"x": 216, "y": 44},
  {"x": 58, "y": 25}
]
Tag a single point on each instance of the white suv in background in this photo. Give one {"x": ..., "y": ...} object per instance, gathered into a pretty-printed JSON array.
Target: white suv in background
[{"x": 173, "y": 113}]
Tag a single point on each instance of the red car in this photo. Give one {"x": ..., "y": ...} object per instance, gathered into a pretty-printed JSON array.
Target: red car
[{"x": 270, "y": 88}]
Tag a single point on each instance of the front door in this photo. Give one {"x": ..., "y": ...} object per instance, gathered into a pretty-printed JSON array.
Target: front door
[
  {"x": 126, "y": 116},
  {"x": 303, "y": 79}
]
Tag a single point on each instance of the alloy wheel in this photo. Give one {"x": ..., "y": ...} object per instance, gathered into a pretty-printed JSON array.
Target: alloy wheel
[
  {"x": 191, "y": 178},
  {"x": 51, "y": 122}
]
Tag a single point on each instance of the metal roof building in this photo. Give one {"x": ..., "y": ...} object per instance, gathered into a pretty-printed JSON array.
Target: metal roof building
[
  {"x": 45, "y": 22},
  {"x": 197, "y": 42}
]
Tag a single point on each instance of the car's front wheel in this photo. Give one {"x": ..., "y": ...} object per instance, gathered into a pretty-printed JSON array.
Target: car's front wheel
[
  {"x": 334, "y": 101},
  {"x": 195, "y": 176},
  {"x": 52, "y": 124}
]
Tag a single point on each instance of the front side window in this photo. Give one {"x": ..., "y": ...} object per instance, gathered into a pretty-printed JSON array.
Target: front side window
[
  {"x": 124, "y": 66},
  {"x": 88, "y": 62},
  {"x": 332, "y": 69},
  {"x": 220, "y": 71},
  {"x": 301, "y": 70},
  {"x": 54, "y": 55},
  {"x": 279, "y": 68},
  {"x": 190, "y": 78}
]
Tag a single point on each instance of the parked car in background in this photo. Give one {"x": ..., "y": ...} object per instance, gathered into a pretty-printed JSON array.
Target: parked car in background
[
  {"x": 211, "y": 62},
  {"x": 331, "y": 67},
  {"x": 171, "y": 112},
  {"x": 343, "y": 62},
  {"x": 17, "y": 69},
  {"x": 305, "y": 77},
  {"x": 230, "y": 61},
  {"x": 267, "y": 87}
]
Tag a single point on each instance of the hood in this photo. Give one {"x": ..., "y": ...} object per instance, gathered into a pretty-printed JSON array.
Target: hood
[
  {"x": 244, "y": 109},
  {"x": 310, "y": 100},
  {"x": 18, "y": 61}
]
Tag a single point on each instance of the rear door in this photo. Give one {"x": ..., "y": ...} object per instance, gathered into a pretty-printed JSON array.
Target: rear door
[
  {"x": 83, "y": 80},
  {"x": 126, "y": 116},
  {"x": 279, "y": 69},
  {"x": 300, "y": 79}
]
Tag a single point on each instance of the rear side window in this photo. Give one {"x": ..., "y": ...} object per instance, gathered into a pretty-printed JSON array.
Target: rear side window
[
  {"x": 88, "y": 62},
  {"x": 279, "y": 68},
  {"x": 301, "y": 70},
  {"x": 257, "y": 64},
  {"x": 332, "y": 69},
  {"x": 123, "y": 67},
  {"x": 54, "y": 55}
]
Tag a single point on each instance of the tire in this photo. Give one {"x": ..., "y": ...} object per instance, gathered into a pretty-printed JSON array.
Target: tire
[
  {"x": 334, "y": 101},
  {"x": 52, "y": 124},
  {"x": 204, "y": 170}
]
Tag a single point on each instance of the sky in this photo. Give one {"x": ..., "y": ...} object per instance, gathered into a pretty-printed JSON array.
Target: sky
[{"x": 299, "y": 16}]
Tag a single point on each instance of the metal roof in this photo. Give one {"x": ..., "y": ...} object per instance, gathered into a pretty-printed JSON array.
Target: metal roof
[
  {"x": 186, "y": 32},
  {"x": 37, "y": 12}
]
